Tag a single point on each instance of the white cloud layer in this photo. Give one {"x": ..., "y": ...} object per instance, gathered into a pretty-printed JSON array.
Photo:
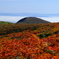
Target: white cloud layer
[
  {"x": 14, "y": 19},
  {"x": 51, "y": 19}
]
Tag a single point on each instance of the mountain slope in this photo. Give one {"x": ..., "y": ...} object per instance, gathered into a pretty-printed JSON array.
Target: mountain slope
[{"x": 32, "y": 20}]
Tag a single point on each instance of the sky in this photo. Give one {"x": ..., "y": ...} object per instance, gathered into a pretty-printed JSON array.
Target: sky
[{"x": 30, "y": 6}]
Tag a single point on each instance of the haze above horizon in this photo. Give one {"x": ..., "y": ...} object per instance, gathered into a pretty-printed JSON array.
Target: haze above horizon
[{"x": 29, "y": 6}]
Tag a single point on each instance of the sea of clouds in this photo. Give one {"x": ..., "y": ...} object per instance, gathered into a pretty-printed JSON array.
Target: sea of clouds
[{"x": 14, "y": 19}]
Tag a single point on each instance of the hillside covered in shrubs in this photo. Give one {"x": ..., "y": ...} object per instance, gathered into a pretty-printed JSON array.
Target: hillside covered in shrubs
[
  {"x": 29, "y": 41},
  {"x": 32, "y": 20}
]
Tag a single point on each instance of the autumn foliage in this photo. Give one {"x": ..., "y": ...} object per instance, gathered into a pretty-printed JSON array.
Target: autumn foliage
[{"x": 38, "y": 41}]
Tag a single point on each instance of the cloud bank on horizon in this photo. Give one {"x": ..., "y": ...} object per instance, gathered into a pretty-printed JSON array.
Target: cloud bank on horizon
[{"x": 14, "y": 19}]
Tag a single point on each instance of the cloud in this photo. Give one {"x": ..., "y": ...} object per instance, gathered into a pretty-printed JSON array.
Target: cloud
[
  {"x": 13, "y": 19},
  {"x": 51, "y": 19}
]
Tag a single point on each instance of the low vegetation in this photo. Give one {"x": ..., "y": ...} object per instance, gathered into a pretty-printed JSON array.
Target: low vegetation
[
  {"x": 35, "y": 41},
  {"x": 3, "y": 22}
]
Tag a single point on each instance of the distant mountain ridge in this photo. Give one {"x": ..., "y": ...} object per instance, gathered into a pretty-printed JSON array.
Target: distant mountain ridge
[{"x": 32, "y": 20}]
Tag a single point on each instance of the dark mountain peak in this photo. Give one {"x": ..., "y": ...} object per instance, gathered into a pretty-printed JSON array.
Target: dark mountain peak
[{"x": 32, "y": 20}]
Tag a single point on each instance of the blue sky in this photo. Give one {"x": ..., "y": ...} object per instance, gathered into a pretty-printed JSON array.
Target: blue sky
[{"x": 29, "y": 6}]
